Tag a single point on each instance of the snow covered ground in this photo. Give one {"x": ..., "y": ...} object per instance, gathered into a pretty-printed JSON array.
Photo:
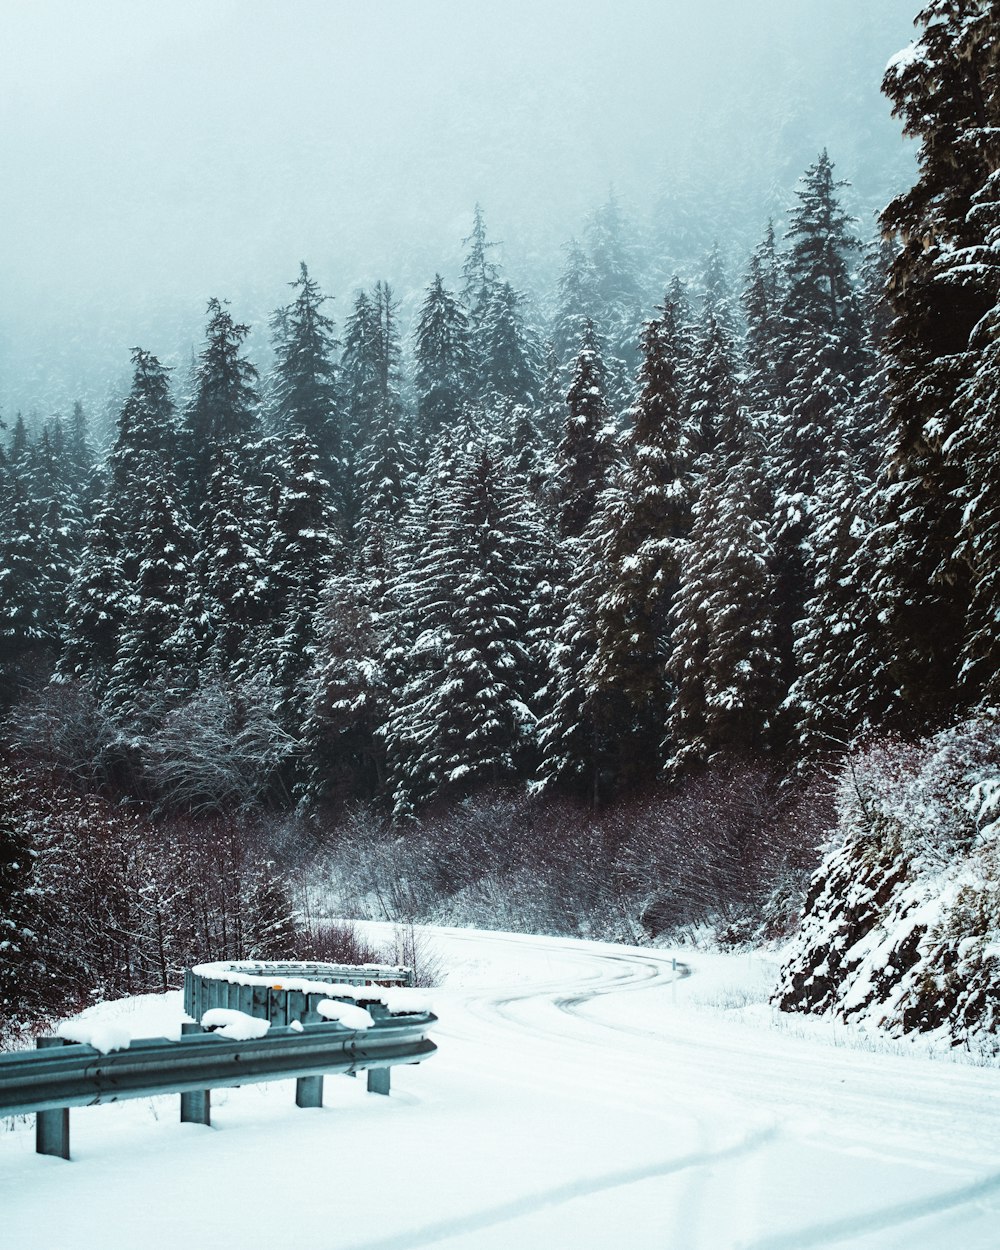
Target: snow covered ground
[{"x": 581, "y": 1098}]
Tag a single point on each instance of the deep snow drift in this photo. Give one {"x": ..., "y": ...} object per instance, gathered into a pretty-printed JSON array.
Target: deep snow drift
[{"x": 580, "y": 1098}]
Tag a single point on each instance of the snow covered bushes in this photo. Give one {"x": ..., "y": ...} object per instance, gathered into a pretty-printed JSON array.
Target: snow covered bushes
[
  {"x": 902, "y": 919},
  {"x": 725, "y": 849}
]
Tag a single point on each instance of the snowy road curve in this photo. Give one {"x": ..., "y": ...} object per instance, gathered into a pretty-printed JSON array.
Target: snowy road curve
[{"x": 582, "y": 1097}]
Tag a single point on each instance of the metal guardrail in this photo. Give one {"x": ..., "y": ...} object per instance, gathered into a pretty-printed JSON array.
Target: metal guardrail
[
  {"x": 342, "y": 974},
  {"x": 259, "y": 989},
  {"x": 59, "y": 1075}
]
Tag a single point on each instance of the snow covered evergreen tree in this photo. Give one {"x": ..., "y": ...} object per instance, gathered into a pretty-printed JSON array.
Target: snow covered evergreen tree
[
  {"x": 944, "y": 286},
  {"x": 27, "y": 634},
  {"x": 234, "y": 576},
  {"x": 480, "y": 273},
  {"x": 370, "y": 378},
  {"x": 346, "y": 697},
  {"x": 304, "y": 551},
  {"x": 462, "y": 717},
  {"x": 576, "y": 296},
  {"x": 762, "y": 298},
  {"x": 224, "y": 412},
  {"x": 445, "y": 362},
  {"x": 611, "y": 241},
  {"x": 586, "y": 450},
  {"x": 723, "y": 658},
  {"x": 306, "y": 391},
  {"x": 95, "y": 607},
  {"x": 634, "y": 548},
  {"x": 510, "y": 355},
  {"x": 159, "y": 650}
]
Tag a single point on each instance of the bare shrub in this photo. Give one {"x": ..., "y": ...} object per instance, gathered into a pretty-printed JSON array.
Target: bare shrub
[
  {"x": 62, "y": 729},
  {"x": 336, "y": 942},
  {"x": 220, "y": 750},
  {"x": 413, "y": 949}
]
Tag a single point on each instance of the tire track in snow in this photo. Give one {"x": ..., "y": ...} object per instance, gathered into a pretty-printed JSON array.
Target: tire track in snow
[
  {"x": 880, "y": 1221},
  {"x": 532, "y": 1204}
]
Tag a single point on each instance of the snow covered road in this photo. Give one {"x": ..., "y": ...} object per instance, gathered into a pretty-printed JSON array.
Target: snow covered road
[{"x": 581, "y": 1098}]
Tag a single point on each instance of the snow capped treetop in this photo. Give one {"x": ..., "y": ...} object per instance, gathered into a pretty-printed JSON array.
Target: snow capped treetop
[{"x": 905, "y": 57}]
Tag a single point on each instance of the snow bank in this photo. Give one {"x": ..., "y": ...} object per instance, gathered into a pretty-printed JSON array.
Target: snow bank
[{"x": 234, "y": 1024}]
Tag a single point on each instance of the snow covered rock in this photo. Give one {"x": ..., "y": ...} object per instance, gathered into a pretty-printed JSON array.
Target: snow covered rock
[{"x": 902, "y": 920}]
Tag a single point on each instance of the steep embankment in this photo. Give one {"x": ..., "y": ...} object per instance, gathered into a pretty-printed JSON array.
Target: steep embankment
[{"x": 902, "y": 920}]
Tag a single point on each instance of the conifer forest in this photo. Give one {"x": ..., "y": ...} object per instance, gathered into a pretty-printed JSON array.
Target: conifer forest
[{"x": 644, "y": 585}]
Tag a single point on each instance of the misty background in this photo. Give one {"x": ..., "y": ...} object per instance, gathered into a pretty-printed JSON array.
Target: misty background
[{"x": 155, "y": 155}]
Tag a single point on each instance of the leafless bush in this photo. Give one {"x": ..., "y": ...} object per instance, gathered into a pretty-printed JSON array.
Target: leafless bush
[
  {"x": 123, "y": 905},
  {"x": 415, "y": 950},
  {"x": 335, "y": 942},
  {"x": 62, "y": 729},
  {"x": 218, "y": 751}
]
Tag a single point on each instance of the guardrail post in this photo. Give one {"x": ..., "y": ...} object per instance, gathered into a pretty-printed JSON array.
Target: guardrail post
[
  {"x": 196, "y": 1104},
  {"x": 52, "y": 1127},
  {"x": 309, "y": 1091},
  {"x": 378, "y": 1080}
]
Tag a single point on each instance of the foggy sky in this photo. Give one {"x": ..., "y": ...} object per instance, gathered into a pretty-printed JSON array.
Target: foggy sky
[{"x": 155, "y": 154}]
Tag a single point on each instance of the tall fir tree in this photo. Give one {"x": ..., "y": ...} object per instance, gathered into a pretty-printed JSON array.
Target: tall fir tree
[
  {"x": 445, "y": 362},
  {"x": 157, "y": 661},
  {"x": 634, "y": 548},
  {"x": 304, "y": 551},
  {"x": 586, "y": 449},
  {"x": 224, "y": 412},
  {"x": 723, "y": 656},
  {"x": 480, "y": 272},
  {"x": 306, "y": 394},
  {"x": 510, "y": 354},
  {"x": 462, "y": 716},
  {"x": 944, "y": 88}
]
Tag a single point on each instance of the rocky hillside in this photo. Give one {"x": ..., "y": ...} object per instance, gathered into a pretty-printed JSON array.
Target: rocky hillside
[{"x": 902, "y": 919}]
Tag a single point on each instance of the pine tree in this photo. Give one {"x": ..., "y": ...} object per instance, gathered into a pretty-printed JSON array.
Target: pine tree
[
  {"x": 634, "y": 548},
  {"x": 717, "y": 298},
  {"x": 146, "y": 425},
  {"x": 586, "y": 449},
  {"x": 762, "y": 299},
  {"x": 723, "y": 659},
  {"x": 829, "y": 695},
  {"x": 27, "y": 633},
  {"x": 577, "y": 303},
  {"x": 924, "y": 583},
  {"x": 156, "y": 663},
  {"x": 20, "y": 443},
  {"x": 972, "y": 449},
  {"x": 304, "y": 551},
  {"x": 509, "y": 373},
  {"x": 224, "y": 410},
  {"x": 234, "y": 577},
  {"x": 306, "y": 391},
  {"x": 346, "y": 697},
  {"x": 370, "y": 377},
  {"x": 712, "y": 390},
  {"x": 445, "y": 362},
  {"x": 480, "y": 274},
  {"x": 461, "y": 715},
  {"x": 95, "y": 607},
  {"x": 819, "y": 371}
]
